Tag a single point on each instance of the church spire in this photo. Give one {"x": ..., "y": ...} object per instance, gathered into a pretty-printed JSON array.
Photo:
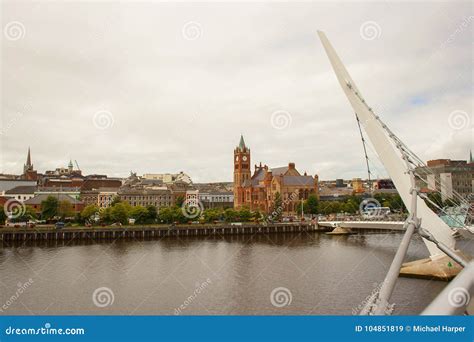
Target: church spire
[
  {"x": 28, "y": 166},
  {"x": 28, "y": 158},
  {"x": 242, "y": 143}
]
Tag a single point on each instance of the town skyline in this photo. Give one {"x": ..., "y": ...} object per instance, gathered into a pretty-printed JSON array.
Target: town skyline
[{"x": 49, "y": 167}]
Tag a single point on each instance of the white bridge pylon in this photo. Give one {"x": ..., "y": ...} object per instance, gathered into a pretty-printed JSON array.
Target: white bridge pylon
[{"x": 389, "y": 154}]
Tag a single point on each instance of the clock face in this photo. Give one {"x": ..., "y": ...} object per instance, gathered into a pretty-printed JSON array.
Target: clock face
[
  {"x": 236, "y": 158},
  {"x": 244, "y": 158}
]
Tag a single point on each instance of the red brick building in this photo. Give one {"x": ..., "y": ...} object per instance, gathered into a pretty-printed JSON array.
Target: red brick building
[{"x": 258, "y": 191}]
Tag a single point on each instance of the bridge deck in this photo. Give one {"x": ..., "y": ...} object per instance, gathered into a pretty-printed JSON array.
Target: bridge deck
[{"x": 382, "y": 225}]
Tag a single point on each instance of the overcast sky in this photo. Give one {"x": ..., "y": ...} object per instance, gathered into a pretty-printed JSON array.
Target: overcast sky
[{"x": 167, "y": 87}]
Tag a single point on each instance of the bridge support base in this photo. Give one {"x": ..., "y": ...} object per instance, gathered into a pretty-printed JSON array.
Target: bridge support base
[
  {"x": 340, "y": 231},
  {"x": 443, "y": 268}
]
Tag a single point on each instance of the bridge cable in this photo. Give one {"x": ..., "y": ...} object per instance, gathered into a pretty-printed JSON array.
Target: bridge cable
[{"x": 365, "y": 151}]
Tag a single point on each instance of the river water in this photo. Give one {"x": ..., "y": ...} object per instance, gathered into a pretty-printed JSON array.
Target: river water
[{"x": 282, "y": 274}]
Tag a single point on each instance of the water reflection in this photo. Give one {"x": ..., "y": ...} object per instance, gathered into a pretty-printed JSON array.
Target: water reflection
[{"x": 325, "y": 274}]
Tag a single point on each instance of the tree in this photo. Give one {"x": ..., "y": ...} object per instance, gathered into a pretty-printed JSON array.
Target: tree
[
  {"x": 179, "y": 200},
  {"x": 115, "y": 200},
  {"x": 211, "y": 215},
  {"x": 311, "y": 205},
  {"x": 152, "y": 214},
  {"x": 230, "y": 215},
  {"x": 179, "y": 216},
  {"x": 165, "y": 215},
  {"x": 23, "y": 214},
  {"x": 139, "y": 213},
  {"x": 49, "y": 207},
  {"x": 65, "y": 209},
  {"x": 3, "y": 217},
  {"x": 106, "y": 215},
  {"x": 89, "y": 211},
  {"x": 245, "y": 215},
  {"x": 277, "y": 207},
  {"x": 257, "y": 215},
  {"x": 120, "y": 213}
]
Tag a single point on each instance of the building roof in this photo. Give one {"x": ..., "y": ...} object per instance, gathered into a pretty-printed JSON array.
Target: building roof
[
  {"x": 61, "y": 197},
  {"x": 22, "y": 189},
  {"x": 140, "y": 192},
  {"x": 7, "y": 184},
  {"x": 298, "y": 180},
  {"x": 278, "y": 171},
  {"x": 242, "y": 142},
  {"x": 59, "y": 189},
  {"x": 258, "y": 176},
  {"x": 216, "y": 193}
]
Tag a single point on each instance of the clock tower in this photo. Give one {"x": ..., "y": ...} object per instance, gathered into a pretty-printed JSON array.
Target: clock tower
[{"x": 241, "y": 172}]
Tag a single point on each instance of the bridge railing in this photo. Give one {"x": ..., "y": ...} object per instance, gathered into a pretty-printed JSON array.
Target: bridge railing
[{"x": 455, "y": 299}]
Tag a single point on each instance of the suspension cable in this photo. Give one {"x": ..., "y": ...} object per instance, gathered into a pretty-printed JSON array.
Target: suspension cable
[{"x": 365, "y": 151}]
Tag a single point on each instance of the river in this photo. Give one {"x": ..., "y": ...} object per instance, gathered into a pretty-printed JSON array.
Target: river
[{"x": 278, "y": 274}]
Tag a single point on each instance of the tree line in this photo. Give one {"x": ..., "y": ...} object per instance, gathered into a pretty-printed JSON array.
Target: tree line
[{"x": 121, "y": 211}]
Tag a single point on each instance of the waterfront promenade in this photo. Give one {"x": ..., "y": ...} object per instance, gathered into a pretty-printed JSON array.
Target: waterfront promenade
[
  {"x": 46, "y": 233},
  {"x": 118, "y": 232}
]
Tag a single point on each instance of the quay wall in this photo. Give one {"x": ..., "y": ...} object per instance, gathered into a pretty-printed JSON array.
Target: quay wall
[{"x": 99, "y": 233}]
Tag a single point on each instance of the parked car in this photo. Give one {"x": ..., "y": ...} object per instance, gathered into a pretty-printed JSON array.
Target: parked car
[{"x": 59, "y": 225}]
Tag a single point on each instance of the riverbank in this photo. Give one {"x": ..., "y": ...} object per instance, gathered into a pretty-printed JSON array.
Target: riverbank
[{"x": 118, "y": 232}]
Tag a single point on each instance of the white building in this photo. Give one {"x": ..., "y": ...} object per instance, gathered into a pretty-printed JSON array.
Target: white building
[
  {"x": 169, "y": 178},
  {"x": 21, "y": 193}
]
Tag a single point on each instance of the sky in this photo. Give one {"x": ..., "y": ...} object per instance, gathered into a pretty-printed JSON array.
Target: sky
[{"x": 155, "y": 87}]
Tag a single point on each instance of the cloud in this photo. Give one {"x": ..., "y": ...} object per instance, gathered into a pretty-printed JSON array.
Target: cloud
[{"x": 180, "y": 104}]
